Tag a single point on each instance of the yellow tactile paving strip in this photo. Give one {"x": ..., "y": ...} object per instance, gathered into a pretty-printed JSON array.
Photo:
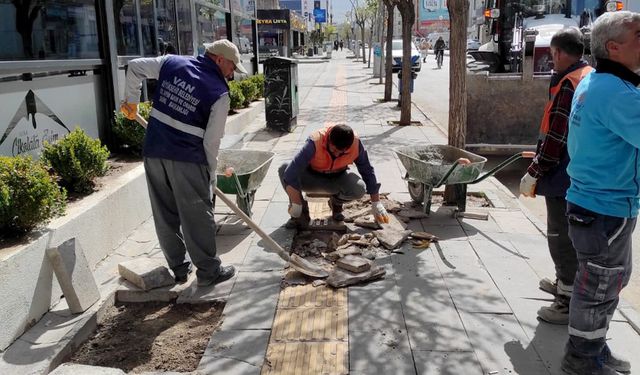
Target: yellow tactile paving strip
[{"x": 310, "y": 331}]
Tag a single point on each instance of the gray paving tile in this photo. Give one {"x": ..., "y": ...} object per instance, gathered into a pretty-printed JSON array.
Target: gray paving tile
[
  {"x": 469, "y": 283},
  {"x": 276, "y": 214},
  {"x": 375, "y": 306},
  {"x": 245, "y": 348},
  {"x": 253, "y": 301},
  {"x": 259, "y": 258},
  {"x": 501, "y": 344},
  {"x": 446, "y": 363},
  {"x": 445, "y": 232},
  {"x": 625, "y": 341},
  {"x": 380, "y": 352},
  {"x": 233, "y": 249}
]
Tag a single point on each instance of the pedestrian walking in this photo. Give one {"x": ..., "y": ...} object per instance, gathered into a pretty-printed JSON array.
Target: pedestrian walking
[
  {"x": 424, "y": 50},
  {"x": 603, "y": 199},
  {"x": 341, "y": 45},
  {"x": 322, "y": 166},
  {"x": 547, "y": 174},
  {"x": 180, "y": 152}
]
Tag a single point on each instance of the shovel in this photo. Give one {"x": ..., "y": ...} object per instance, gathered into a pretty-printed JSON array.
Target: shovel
[{"x": 295, "y": 261}]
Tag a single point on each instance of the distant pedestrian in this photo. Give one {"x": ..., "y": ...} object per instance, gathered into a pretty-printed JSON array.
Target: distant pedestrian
[
  {"x": 341, "y": 45},
  {"x": 424, "y": 50},
  {"x": 335, "y": 45},
  {"x": 547, "y": 174},
  {"x": 603, "y": 199},
  {"x": 180, "y": 152}
]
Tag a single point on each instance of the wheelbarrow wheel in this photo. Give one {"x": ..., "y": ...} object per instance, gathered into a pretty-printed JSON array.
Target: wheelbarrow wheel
[{"x": 416, "y": 191}]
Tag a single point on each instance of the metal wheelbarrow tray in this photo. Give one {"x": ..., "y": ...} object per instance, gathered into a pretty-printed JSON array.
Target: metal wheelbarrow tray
[
  {"x": 250, "y": 168},
  {"x": 432, "y": 166}
]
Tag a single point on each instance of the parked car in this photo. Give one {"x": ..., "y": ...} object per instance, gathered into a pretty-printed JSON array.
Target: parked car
[
  {"x": 396, "y": 54},
  {"x": 473, "y": 44}
]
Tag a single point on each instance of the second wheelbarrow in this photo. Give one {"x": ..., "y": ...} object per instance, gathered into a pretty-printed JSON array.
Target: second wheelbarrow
[{"x": 429, "y": 167}]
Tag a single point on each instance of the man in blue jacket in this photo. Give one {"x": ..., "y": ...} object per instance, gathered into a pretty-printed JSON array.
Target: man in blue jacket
[
  {"x": 603, "y": 199},
  {"x": 181, "y": 146}
]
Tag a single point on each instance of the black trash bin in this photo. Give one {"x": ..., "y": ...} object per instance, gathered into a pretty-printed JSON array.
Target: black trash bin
[{"x": 281, "y": 93}]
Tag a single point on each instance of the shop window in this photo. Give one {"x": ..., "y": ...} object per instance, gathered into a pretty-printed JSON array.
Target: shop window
[
  {"x": 167, "y": 32},
  {"x": 148, "y": 29},
  {"x": 243, "y": 35},
  {"x": 126, "y": 27},
  {"x": 55, "y": 29},
  {"x": 185, "y": 31},
  {"x": 211, "y": 26}
]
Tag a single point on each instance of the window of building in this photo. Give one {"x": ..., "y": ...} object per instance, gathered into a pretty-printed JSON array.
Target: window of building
[
  {"x": 185, "y": 31},
  {"x": 167, "y": 27},
  {"x": 55, "y": 29},
  {"x": 148, "y": 28},
  {"x": 211, "y": 25},
  {"x": 126, "y": 22}
]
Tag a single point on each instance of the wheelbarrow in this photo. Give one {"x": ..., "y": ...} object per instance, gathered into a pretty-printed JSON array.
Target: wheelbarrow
[
  {"x": 249, "y": 169},
  {"x": 429, "y": 167}
]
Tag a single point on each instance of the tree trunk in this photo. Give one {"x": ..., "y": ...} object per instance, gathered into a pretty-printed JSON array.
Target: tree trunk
[
  {"x": 370, "y": 46},
  {"x": 407, "y": 11},
  {"x": 458, "y": 13},
  {"x": 388, "y": 58},
  {"x": 364, "y": 55}
]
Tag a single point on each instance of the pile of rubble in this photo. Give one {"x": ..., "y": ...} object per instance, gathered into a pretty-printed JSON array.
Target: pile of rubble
[{"x": 348, "y": 257}]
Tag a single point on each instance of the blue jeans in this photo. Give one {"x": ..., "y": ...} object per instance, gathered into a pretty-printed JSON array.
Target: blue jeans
[{"x": 603, "y": 249}]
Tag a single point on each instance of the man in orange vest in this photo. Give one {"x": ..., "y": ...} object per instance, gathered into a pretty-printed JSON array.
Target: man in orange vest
[
  {"x": 547, "y": 174},
  {"x": 322, "y": 166}
]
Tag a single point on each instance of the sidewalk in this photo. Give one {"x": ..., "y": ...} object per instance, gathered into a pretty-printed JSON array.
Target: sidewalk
[{"x": 465, "y": 306}]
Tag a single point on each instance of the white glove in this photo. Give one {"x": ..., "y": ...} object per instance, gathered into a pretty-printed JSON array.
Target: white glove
[
  {"x": 295, "y": 210},
  {"x": 528, "y": 185},
  {"x": 379, "y": 212}
]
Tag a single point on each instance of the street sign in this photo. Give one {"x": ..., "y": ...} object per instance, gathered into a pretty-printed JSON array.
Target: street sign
[{"x": 320, "y": 15}]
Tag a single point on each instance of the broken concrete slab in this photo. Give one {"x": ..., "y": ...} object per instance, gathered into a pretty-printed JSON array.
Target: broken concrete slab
[
  {"x": 411, "y": 213},
  {"x": 145, "y": 273},
  {"x": 74, "y": 369},
  {"x": 339, "y": 277},
  {"x": 392, "y": 238},
  {"x": 351, "y": 250},
  {"x": 354, "y": 263},
  {"x": 74, "y": 275},
  {"x": 367, "y": 222}
]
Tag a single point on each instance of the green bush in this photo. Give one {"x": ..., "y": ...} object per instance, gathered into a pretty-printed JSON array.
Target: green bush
[
  {"x": 235, "y": 95},
  {"x": 258, "y": 80},
  {"x": 78, "y": 159},
  {"x": 249, "y": 90},
  {"x": 128, "y": 133},
  {"x": 29, "y": 196}
]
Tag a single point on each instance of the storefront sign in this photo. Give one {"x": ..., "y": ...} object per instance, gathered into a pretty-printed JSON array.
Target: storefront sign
[
  {"x": 273, "y": 18},
  {"x": 30, "y": 117},
  {"x": 320, "y": 15}
]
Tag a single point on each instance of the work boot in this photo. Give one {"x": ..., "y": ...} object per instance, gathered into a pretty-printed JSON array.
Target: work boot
[
  {"x": 225, "y": 273},
  {"x": 556, "y": 288},
  {"x": 301, "y": 222},
  {"x": 336, "y": 208},
  {"x": 618, "y": 364},
  {"x": 557, "y": 313},
  {"x": 574, "y": 365}
]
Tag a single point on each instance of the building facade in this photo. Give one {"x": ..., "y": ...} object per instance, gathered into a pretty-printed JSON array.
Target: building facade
[{"x": 63, "y": 62}]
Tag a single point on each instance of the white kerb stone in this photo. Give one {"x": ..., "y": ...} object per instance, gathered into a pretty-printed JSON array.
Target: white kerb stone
[
  {"x": 74, "y": 275},
  {"x": 76, "y": 369},
  {"x": 145, "y": 273}
]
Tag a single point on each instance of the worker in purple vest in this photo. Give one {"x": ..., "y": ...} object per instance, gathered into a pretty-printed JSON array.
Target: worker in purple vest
[{"x": 180, "y": 152}]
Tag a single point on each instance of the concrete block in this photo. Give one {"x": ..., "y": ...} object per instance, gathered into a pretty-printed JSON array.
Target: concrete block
[
  {"x": 75, "y": 369},
  {"x": 392, "y": 238},
  {"x": 145, "y": 273},
  {"x": 74, "y": 275},
  {"x": 127, "y": 292},
  {"x": 354, "y": 263}
]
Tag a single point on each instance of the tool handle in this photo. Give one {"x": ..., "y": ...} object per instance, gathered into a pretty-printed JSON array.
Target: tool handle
[{"x": 270, "y": 242}]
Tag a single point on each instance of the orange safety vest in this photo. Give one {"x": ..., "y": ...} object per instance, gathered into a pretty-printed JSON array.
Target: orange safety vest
[
  {"x": 575, "y": 77},
  {"x": 322, "y": 160}
]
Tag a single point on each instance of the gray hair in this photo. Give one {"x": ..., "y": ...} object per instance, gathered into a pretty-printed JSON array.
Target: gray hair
[{"x": 610, "y": 26}]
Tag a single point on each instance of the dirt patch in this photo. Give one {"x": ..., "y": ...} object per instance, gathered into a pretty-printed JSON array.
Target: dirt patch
[
  {"x": 153, "y": 336},
  {"x": 118, "y": 165},
  {"x": 473, "y": 200}
]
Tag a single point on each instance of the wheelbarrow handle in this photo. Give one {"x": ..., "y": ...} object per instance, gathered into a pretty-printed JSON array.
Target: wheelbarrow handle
[
  {"x": 499, "y": 167},
  {"x": 443, "y": 180}
]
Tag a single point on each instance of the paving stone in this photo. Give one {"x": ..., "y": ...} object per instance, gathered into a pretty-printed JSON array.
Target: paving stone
[
  {"x": 51, "y": 328},
  {"x": 380, "y": 352},
  {"x": 330, "y": 357},
  {"x": 232, "y": 249},
  {"x": 253, "y": 301},
  {"x": 514, "y": 222},
  {"x": 145, "y": 273},
  {"x": 259, "y": 258},
  {"x": 375, "y": 306},
  {"x": 446, "y": 363},
  {"x": 235, "y": 352},
  {"x": 501, "y": 344},
  {"x": 339, "y": 278},
  {"x": 197, "y": 294},
  {"x": 354, "y": 263},
  {"x": 74, "y": 275},
  {"x": 391, "y": 238},
  {"x": 625, "y": 341},
  {"x": 468, "y": 281},
  {"x": 75, "y": 369},
  {"x": 548, "y": 341},
  {"x": 132, "y": 248},
  {"x": 445, "y": 232}
]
